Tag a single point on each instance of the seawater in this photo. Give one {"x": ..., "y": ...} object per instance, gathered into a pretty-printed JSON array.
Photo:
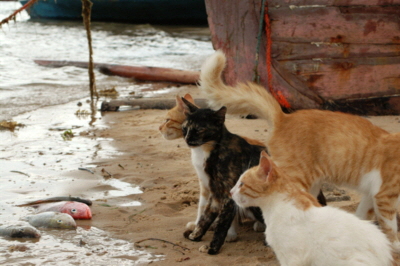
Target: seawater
[
  {"x": 35, "y": 161},
  {"x": 26, "y": 86}
]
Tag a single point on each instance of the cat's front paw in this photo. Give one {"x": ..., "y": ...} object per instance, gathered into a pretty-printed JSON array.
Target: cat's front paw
[
  {"x": 204, "y": 249},
  {"x": 191, "y": 225},
  {"x": 208, "y": 250},
  {"x": 259, "y": 227},
  {"x": 187, "y": 233},
  {"x": 192, "y": 235}
]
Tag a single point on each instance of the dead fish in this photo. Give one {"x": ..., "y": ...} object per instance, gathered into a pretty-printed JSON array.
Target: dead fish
[
  {"x": 57, "y": 199},
  {"x": 77, "y": 210},
  {"x": 52, "y": 220},
  {"x": 19, "y": 231},
  {"x": 76, "y": 207}
]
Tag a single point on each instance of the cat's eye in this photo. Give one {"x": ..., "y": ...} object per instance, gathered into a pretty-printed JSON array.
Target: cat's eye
[
  {"x": 241, "y": 184},
  {"x": 167, "y": 120}
]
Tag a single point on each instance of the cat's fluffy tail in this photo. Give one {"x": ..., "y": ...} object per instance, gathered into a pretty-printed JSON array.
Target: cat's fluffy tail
[{"x": 244, "y": 99}]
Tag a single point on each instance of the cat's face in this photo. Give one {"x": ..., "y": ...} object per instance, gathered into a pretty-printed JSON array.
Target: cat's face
[
  {"x": 254, "y": 183},
  {"x": 202, "y": 125},
  {"x": 172, "y": 127}
]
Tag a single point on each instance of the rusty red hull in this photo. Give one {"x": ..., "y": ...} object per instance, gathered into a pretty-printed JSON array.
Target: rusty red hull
[{"x": 335, "y": 54}]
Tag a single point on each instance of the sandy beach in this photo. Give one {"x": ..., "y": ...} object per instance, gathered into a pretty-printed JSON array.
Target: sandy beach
[{"x": 163, "y": 171}]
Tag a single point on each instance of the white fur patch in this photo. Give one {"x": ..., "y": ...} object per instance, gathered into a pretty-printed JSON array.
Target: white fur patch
[
  {"x": 199, "y": 157},
  {"x": 371, "y": 183}
]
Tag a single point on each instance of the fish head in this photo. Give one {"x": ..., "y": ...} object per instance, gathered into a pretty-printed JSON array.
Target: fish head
[
  {"x": 77, "y": 210},
  {"x": 25, "y": 232},
  {"x": 62, "y": 221}
]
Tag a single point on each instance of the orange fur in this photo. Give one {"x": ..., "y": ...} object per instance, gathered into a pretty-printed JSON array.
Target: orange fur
[
  {"x": 172, "y": 127},
  {"x": 266, "y": 179},
  {"x": 314, "y": 146}
]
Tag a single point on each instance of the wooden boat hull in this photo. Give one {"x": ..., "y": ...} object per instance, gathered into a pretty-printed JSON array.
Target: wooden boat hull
[
  {"x": 131, "y": 11},
  {"x": 325, "y": 54}
]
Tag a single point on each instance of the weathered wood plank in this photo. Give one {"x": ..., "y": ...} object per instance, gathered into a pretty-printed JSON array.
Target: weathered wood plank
[
  {"x": 329, "y": 24},
  {"x": 349, "y": 78},
  {"x": 137, "y": 72},
  {"x": 299, "y": 51},
  {"x": 287, "y": 3}
]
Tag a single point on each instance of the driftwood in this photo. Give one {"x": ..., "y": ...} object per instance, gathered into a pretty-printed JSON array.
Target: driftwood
[
  {"x": 56, "y": 199},
  {"x": 137, "y": 72},
  {"x": 149, "y": 103},
  {"x": 16, "y": 12}
]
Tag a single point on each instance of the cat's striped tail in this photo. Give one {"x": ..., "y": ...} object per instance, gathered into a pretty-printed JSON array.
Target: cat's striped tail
[{"x": 243, "y": 99}]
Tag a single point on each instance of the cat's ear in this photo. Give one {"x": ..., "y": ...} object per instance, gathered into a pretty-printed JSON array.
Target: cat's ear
[
  {"x": 221, "y": 113},
  {"x": 189, "y": 98},
  {"x": 188, "y": 106},
  {"x": 265, "y": 167},
  {"x": 179, "y": 103}
]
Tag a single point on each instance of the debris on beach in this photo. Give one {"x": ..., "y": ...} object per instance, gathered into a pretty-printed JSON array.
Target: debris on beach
[
  {"x": 57, "y": 199},
  {"x": 77, "y": 207},
  {"x": 19, "y": 231},
  {"x": 9, "y": 125},
  {"x": 52, "y": 220},
  {"x": 78, "y": 210},
  {"x": 67, "y": 135}
]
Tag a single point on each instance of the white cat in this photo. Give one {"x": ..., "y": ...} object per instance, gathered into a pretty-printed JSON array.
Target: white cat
[{"x": 300, "y": 231}]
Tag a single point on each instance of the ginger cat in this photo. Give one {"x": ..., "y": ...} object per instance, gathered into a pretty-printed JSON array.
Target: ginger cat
[
  {"x": 300, "y": 231},
  {"x": 172, "y": 126},
  {"x": 315, "y": 146}
]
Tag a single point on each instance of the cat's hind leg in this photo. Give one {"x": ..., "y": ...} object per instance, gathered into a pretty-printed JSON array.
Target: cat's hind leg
[
  {"x": 385, "y": 206},
  {"x": 232, "y": 231},
  {"x": 317, "y": 193},
  {"x": 255, "y": 214},
  {"x": 365, "y": 209}
]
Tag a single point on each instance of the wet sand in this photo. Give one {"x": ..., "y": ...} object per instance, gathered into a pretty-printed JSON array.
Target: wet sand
[{"x": 163, "y": 171}]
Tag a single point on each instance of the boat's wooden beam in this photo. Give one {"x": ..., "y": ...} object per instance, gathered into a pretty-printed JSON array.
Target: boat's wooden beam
[
  {"x": 137, "y": 72},
  {"x": 152, "y": 73}
]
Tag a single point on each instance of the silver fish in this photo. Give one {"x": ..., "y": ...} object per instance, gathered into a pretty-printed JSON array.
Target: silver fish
[
  {"x": 19, "y": 231},
  {"x": 52, "y": 220}
]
